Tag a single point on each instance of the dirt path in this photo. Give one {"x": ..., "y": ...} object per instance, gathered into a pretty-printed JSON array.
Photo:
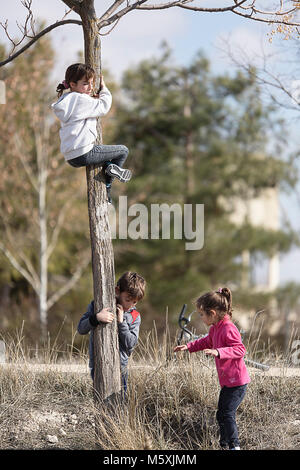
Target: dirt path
[
  {"x": 74, "y": 368},
  {"x": 83, "y": 368},
  {"x": 279, "y": 371}
]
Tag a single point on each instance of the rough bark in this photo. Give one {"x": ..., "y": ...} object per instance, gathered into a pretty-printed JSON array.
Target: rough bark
[{"x": 107, "y": 382}]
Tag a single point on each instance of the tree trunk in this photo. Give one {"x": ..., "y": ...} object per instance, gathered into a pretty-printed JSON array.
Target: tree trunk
[{"x": 107, "y": 381}]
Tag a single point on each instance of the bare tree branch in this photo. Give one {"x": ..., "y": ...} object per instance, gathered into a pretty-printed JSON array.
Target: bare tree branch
[
  {"x": 105, "y": 20},
  {"x": 270, "y": 16},
  {"x": 69, "y": 284},
  {"x": 11, "y": 238},
  {"x": 282, "y": 15},
  {"x": 279, "y": 11},
  {"x": 74, "y": 5},
  {"x": 67, "y": 13},
  {"x": 30, "y": 269},
  {"x": 110, "y": 30},
  {"x": 265, "y": 76},
  {"x": 27, "y": 30},
  {"x": 111, "y": 9},
  {"x": 19, "y": 151},
  {"x": 18, "y": 267},
  {"x": 29, "y": 20},
  {"x": 121, "y": 13},
  {"x": 245, "y": 8},
  {"x": 183, "y": 4},
  {"x": 59, "y": 224},
  {"x": 268, "y": 20},
  {"x": 37, "y": 37}
]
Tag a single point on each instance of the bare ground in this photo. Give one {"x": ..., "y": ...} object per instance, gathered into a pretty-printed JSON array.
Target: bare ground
[{"x": 50, "y": 406}]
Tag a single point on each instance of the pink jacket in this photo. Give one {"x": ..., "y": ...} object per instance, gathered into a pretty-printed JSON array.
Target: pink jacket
[{"x": 225, "y": 337}]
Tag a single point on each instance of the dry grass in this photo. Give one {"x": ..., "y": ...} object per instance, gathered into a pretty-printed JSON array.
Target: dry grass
[{"x": 171, "y": 405}]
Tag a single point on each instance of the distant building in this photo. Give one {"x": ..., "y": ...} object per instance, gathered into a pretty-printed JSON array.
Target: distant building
[
  {"x": 263, "y": 211},
  {"x": 260, "y": 211}
]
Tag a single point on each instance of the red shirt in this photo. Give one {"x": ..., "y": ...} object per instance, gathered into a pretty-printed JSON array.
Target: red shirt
[{"x": 225, "y": 337}]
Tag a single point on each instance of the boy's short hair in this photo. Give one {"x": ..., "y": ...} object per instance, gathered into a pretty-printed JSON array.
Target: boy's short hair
[{"x": 132, "y": 283}]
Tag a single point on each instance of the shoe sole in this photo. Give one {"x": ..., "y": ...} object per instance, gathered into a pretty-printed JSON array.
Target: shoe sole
[{"x": 121, "y": 174}]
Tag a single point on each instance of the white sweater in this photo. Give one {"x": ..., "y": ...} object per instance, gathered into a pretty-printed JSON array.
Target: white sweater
[{"x": 78, "y": 115}]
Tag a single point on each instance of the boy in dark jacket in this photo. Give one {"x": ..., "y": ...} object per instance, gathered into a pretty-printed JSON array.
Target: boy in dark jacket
[{"x": 130, "y": 289}]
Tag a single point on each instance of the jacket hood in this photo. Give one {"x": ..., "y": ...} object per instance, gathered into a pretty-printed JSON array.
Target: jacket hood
[{"x": 62, "y": 107}]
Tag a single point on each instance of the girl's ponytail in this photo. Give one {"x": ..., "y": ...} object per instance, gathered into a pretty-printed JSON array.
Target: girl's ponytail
[
  {"x": 224, "y": 291},
  {"x": 220, "y": 300},
  {"x": 61, "y": 87}
]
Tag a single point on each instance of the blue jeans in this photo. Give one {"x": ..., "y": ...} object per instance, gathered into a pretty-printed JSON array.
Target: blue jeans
[
  {"x": 124, "y": 380},
  {"x": 102, "y": 155},
  {"x": 229, "y": 400}
]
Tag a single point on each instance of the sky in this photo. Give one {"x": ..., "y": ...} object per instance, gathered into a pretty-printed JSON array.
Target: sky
[{"x": 139, "y": 35}]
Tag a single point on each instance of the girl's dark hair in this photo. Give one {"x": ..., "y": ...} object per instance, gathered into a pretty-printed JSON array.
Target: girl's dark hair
[
  {"x": 74, "y": 73},
  {"x": 220, "y": 300},
  {"x": 133, "y": 284}
]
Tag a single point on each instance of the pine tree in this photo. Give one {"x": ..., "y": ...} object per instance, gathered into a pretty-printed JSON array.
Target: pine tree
[{"x": 197, "y": 138}]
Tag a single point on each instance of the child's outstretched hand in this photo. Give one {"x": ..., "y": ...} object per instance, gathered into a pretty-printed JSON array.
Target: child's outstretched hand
[
  {"x": 211, "y": 352},
  {"x": 181, "y": 347},
  {"x": 105, "y": 316}
]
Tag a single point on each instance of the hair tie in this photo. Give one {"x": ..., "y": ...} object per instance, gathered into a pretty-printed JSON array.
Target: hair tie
[
  {"x": 65, "y": 84},
  {"x": 220, "y": 290}
]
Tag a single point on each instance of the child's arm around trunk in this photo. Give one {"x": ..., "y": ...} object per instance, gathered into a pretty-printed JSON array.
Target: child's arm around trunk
[{"x": 91, "y": 319}]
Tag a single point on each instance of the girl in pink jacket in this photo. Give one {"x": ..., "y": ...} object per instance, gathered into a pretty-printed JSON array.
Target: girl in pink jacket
[{"x": 224, "y": 343}]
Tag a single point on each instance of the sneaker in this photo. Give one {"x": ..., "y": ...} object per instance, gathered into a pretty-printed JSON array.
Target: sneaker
[{"x": 116, "y": 171}]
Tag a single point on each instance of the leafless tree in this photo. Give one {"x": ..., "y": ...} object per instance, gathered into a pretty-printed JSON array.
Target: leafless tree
[
  {"x": 276, "y": 72},
  {"x": 107, "y": 377},
  {"x": 30, "y": 248},
  {"x": 283, "y": 13}
]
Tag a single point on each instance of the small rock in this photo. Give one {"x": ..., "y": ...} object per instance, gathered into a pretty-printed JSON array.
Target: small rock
[
  {"x": 74, "y": 419},
  {"x": 62, "y": 432},
  {"x": 296, "y": 422},
  {"x": 52, "y": 439}
]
